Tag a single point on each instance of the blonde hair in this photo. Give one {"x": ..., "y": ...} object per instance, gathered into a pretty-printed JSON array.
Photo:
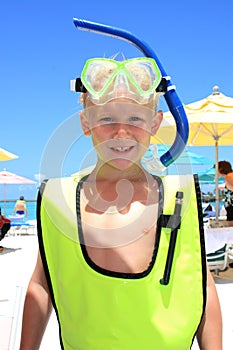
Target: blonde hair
[{"x": 82, "y": 98}]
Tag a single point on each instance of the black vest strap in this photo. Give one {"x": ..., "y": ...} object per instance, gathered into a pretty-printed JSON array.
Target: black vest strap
[{"x": 170, "y": 221}]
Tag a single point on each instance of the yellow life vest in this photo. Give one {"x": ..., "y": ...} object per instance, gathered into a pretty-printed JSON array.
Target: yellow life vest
[{"x": 99, "y": 309}]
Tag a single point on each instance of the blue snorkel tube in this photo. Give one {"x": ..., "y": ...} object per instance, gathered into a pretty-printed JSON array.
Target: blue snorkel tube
[{"x": 171, "y": 97}]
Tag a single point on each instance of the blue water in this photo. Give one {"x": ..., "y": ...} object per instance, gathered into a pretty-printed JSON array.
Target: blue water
[
  {"x": 31, "y": 207},
  {"x": 221, "y": 203}
]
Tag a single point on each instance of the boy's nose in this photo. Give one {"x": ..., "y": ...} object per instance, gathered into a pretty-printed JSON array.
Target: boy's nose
[{"x": 121, "y": 131}]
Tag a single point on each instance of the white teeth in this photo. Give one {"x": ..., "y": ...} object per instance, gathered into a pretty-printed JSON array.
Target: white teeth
[{"x": 121, "y": 149}]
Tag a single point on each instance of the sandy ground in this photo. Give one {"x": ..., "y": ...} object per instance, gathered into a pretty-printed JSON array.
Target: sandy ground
[{"x": 17, "y": 261}]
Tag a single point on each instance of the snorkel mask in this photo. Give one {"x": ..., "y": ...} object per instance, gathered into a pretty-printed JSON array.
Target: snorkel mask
[
  {"x": 107, "y": 79},
  {"x": 128, "y": 73}
]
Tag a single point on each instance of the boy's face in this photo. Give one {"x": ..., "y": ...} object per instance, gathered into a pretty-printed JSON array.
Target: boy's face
[{"x": 120, "y": 130}]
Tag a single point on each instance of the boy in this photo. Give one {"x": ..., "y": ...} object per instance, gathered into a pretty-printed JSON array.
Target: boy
[{"x": 104, "y": 240}]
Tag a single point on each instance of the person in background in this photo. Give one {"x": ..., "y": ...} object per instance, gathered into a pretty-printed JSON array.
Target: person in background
[
  {"x": 5, "y": 225},
  {"x": 20, "y": 207},
  {"x": 225, "y": 171}
]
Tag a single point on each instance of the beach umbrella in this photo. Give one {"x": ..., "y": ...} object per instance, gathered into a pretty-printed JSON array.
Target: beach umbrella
[
  {"x": 5, "y": 155},
  {"x": 210, "y": 123},
  {"x": 208, "y": 177},
  {"x": 186, "y": 157},
  {"x": 183, "y": 163},
  {"x": 8, "y": 178}
]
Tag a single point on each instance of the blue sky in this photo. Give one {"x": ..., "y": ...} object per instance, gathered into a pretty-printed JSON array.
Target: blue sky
[{"x": 41, "y": 50}]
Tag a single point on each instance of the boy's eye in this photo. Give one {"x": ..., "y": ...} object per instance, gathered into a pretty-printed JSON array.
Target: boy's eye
[
  {"x": 135, "y": 119},
  {"x": 106, "y": 119}
]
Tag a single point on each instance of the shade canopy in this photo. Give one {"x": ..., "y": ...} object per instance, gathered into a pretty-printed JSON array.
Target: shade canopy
[
  {"x": 208, "y": 177},
  {"x": 6, "y": 155},
  {"x": 186, "y": 157},
  {"x": 210, "y": 124},
  {"x": 183, "y": 164},
  {"x": 210, "y": 121},
  {"x": 7, "y": 177}
]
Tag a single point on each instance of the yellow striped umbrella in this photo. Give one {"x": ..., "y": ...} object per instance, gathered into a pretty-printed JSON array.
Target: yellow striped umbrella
[
  {"x": 5, "y": 155},
  {"x": 210, "y": 124}
]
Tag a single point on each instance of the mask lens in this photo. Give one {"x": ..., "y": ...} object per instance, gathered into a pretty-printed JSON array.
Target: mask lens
[
  {"x": 144, "y": 74},
  {"x": 97, "y": 74}
]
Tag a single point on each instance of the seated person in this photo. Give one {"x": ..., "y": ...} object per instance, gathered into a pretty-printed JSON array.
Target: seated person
[{"x": 4, "y": 227}]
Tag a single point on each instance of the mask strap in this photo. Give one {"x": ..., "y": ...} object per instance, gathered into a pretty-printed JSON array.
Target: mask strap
[{"x": 77, "y": 85}]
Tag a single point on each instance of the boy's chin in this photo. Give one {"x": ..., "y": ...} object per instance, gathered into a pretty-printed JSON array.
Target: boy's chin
[{"x": 123, "y": 164}]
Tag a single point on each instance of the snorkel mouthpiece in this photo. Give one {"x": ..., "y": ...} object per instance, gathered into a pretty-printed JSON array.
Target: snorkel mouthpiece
[{"x": 174, "y": 104}]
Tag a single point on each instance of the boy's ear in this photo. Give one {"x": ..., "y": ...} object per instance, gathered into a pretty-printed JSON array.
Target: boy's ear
[
  {"x": 84, "y": 123},
  {"x": 157, "y": 120}
]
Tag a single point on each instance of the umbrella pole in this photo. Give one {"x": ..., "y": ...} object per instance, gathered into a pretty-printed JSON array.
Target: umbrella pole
[
  {"x": 216, "y": 183},
  {"x": 4, "y": 199}
]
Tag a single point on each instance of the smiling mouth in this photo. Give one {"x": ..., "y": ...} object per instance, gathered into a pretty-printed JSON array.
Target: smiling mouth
[{"x": 122, "y": 149}]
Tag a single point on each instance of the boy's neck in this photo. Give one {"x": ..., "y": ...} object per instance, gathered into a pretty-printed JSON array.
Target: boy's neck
[
  {"x": 105, "y": 188},
  {"x": 106, "y": 172}
]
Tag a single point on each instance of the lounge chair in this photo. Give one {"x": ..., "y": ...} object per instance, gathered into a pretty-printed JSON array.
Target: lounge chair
[
  {"x": 17, "y": 218},
  {"x": 19, "y": 226},
  {"x": 219, "y": 260}
]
